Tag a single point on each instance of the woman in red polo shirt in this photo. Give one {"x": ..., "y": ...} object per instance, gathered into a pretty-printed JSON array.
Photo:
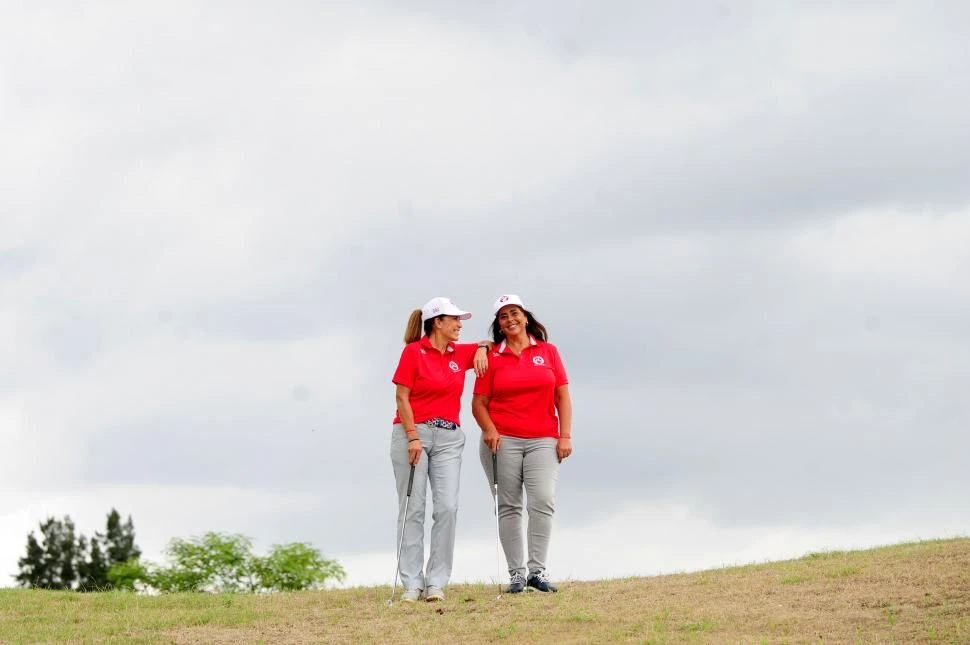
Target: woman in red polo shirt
[
  {"x": 427, "y": 434},
  {"x": 523, "y": 407}
]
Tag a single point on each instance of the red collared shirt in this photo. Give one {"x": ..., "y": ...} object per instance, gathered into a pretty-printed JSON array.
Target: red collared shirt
[
  {"x": 522, "y": 390},
  {"x": 436, "y": 379}
]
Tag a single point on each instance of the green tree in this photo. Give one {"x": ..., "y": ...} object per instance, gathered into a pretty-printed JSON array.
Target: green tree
[
  {"x": 297, "y": 566},
  {"x": 212, "y": 562},
  {"x": 93, "y": 571},
  {"x": 119, "y": 539},
  {"x": 120, "y": 552},
  {"x": 64, "y": 559},
  {"x": 33, "y": 567},
  {"x": 53, "y": 562},
  {"x": 68, "y": 554},
  {"x": 220, "y": 562},
  {"x": 129, "y": 576}
]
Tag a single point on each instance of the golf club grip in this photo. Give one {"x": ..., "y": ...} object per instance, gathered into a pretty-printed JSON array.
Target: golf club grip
[
  {"x": 495, "y": 469},
  {"x": 410, "y": 480}
]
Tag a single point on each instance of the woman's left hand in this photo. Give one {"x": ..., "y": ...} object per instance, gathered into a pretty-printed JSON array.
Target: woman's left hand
[
  {"x": 481, "y": 361},
  {"x": 564, "y": 447}
]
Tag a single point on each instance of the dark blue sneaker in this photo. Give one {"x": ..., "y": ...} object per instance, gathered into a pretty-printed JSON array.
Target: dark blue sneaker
[
  {"x": 517, "y": 585},
  {"x": 540, "y": 582}
]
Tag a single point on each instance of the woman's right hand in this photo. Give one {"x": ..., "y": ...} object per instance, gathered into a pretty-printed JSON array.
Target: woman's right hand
[
  {"x": 492, "y": 439},
  {"x": 414, "y": 452}
]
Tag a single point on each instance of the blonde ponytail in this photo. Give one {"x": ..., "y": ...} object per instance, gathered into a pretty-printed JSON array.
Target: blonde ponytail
[{"x": 413, "y": 331}]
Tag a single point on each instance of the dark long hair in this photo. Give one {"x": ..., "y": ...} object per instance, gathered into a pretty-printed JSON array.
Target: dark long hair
[{"x": 533, "y": 328}]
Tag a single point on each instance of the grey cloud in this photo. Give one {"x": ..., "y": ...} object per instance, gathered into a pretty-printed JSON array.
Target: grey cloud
[
  {"x": 728, "y": 383},
  {"x": 710, "y": 364}
]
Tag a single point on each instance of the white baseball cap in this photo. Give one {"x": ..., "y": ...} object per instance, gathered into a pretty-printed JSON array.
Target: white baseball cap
[
  {"x": 507, "y": 299},
  {"x": 441, "y": 306}
]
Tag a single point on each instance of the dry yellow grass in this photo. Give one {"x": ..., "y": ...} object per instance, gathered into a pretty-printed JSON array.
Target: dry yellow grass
[{"x": 911, "y": 593}]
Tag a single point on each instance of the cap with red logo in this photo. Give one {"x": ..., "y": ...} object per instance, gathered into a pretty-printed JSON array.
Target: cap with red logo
[{"x": 507, "y": 299}]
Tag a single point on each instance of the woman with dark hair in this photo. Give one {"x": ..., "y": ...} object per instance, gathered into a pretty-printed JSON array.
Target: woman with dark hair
[
  {"x": 523, "y": 407},
  {"x": 429, "y": 379}
]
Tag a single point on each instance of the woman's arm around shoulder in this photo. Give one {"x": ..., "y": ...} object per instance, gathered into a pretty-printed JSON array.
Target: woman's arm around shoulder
[{"x": 478, "y": 355}]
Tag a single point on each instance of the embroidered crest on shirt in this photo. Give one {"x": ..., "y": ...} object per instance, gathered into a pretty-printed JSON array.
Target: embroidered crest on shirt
[
  {"x": 454, "y": 366},
  {"x": 538, "y": 360}
]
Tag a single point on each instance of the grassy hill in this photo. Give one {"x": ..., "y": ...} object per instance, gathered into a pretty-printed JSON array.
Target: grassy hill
[{"x": 905, "y": 593}]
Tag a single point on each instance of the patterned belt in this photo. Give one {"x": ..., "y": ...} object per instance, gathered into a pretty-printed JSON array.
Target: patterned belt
[{"x": 441, "y": 423}]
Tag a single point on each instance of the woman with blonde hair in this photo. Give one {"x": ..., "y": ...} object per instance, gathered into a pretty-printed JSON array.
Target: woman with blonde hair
[{"x": 427, "y": 436}]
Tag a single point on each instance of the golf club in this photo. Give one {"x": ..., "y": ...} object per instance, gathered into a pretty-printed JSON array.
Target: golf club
[
  {"x": 498, "y": 539},
  {"x": 400, "y": 542}
]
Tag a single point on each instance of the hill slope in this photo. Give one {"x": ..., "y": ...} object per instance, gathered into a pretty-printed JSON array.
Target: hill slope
[{"x": 905, "y": 593}]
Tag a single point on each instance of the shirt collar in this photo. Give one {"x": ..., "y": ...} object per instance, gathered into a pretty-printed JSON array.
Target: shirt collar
[
  {"x": 532, "y": 343},
  {"x": 426, "y": 343}
]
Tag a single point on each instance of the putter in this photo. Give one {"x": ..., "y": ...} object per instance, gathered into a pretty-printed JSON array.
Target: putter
[
  {"x": 498, "y": 539},
  {"x": 400, "y": 543}
]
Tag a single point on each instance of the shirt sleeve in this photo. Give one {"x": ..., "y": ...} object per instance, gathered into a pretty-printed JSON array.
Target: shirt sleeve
[
  {"x": 483, "y": 384},
  {"x": 406, "y": 372},
  {"x": 465, "y": 355},
  {"x": 557, "y": 367}
]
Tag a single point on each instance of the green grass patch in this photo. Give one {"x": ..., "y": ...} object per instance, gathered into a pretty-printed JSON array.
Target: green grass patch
[
  {"x": 910, "y": 593},
  {"x": 505, "y": 631},
  {"x": 824, "y": 555},
  {"x": 697, "y": 626},
  {"x": 795, "y": 579},
  {"x": 845, "y": 571}
]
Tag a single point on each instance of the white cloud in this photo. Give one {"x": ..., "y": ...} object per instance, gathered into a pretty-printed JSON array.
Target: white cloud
[
  {"x": 746, "y": 230},
  {"x": 893, "y": 250},
  {"x": 127, "y": 402}
]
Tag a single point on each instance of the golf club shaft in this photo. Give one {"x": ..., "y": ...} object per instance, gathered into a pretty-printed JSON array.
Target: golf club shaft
[
  {"x": 400, "y": 543},
  {"x": 498, "y": 538}
]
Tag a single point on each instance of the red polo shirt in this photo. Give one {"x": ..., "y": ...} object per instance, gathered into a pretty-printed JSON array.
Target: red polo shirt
[
  {"x": 436, "y": 379},
  {"x": 522, "y": 390}
]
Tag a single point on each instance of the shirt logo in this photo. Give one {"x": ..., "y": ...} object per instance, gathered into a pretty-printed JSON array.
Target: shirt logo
[
  {"x": 538, "y": 360},
  {"x": 454, "y": 366}
]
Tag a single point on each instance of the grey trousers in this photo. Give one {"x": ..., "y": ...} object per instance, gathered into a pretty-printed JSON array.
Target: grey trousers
[
  {"x": 531, "y": 464},
  {"x": 440, "y": 465}
]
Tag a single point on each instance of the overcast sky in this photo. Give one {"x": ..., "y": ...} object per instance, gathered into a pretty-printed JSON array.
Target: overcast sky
[{"x": 745, "y": 225}]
